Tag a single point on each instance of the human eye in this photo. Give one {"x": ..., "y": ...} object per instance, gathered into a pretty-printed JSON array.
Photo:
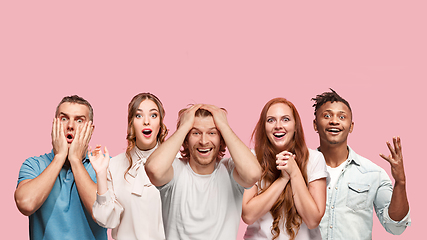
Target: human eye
[
  {"x": 154, "y": 115},
  {"x": 138, "y": 115},
  {"x": 342, "y": 117},
  {"x": 286, "y": 119},
  {"x": 79, "y": 120},
  {"x": 270, "y": 120},
  {"x": 63, "y": 119},
  {"x": 326, "y": 115}
]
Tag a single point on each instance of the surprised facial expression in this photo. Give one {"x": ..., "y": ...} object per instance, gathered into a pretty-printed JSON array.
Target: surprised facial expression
[
  {"x": 333, "y": 123},
  {"x": 280, "y": 126},
  {"x": 72, "y": 115},
  {"x": 146, "y": 124}
]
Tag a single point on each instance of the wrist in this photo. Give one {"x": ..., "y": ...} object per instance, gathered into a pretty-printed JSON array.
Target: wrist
[{"x": 101, "y": 174}]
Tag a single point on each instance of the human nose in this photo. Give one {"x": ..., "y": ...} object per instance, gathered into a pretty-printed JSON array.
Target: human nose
[
  {"x": 146, "y": 121},
  {"x": 278, "y": 125},
  {"x": 333, "y": 120},
  {"x": 70, "y": 125},
  {"x": 203, "y": 139}
]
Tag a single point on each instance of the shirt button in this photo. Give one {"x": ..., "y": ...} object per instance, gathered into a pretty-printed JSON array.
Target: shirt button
[
  {"x": 336, "y": 188},
  {"x": 332, "y": 207},
  {"x": 331, "y": 226}
]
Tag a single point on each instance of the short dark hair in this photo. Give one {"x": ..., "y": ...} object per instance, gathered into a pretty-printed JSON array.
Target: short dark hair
[
  {"x": 78, "y": 100},
  {"x": 325, "y": 97}
]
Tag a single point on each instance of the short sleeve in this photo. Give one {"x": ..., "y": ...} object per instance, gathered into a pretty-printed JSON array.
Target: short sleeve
[
  {"x": 32, "y": 168},
  {"x": 177, "y": 166},
  {"x": 316, "y": 167}
]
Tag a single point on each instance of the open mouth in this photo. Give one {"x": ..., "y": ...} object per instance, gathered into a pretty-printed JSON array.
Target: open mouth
[
  {"x": 204, "y": 150},
  {"x": 69, "y": 137},
  {"x": 147, "y": 132},
  {"x": 279, "y": 135},
  {"x": 333, "y": 130}
]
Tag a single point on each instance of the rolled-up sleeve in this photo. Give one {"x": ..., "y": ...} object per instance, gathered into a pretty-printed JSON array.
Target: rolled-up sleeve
[{"x": 382, "y": 203}]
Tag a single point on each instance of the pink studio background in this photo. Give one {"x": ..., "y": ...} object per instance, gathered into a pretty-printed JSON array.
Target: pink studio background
[{"x": 234, "y": 54}]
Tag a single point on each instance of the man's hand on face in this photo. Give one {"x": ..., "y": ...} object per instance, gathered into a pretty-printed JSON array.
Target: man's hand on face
[
  {"x": 78, "y": 147},
  {"x": 59, "y": 142}
]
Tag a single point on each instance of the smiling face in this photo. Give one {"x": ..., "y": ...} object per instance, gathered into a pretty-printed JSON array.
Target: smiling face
[
  {"x": 203, "y": 142},
  {"x": 146, "y": 124},
  {"x": 333, "y": 123},
  {"x": 280, "y": 126},
  {"x": 72, "y": 115}
]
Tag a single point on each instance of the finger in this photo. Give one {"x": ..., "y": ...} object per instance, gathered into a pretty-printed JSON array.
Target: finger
[
  {"x": 83, "y": 131},
  {"x": 87, "y": 132},
  {"x": 393, "y": 153},
  {"x": 107, "y": 154},
  {"x": 398, "y": 146},
  {"x": 282, "y": 163},
  {"x": 60, "y": 130},
  {"x": 385, "y": 158}
]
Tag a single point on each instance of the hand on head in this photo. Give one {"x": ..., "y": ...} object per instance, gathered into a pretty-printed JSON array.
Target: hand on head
[
  {"x": 59, "y": 143},
  {"x": 80, "y": 144},
  {"x": 78, "y": 147},
  {"x": 219, "y": 115}
]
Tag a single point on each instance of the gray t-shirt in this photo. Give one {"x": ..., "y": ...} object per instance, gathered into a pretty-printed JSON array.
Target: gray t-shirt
[{"x": 202, "y": 206}]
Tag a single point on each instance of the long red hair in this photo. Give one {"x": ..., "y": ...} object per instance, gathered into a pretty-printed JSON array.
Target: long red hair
[{"x": 284, "y": 209}]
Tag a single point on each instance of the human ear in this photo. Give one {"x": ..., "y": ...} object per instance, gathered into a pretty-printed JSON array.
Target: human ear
[{"x": 315, "y": 125}]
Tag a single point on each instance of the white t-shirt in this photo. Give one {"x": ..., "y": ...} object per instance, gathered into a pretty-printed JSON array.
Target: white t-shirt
[
  {"x": 202, "y": 206},
  {"x": 261, "y": 229},
  {"x": 335, "y": 173}
]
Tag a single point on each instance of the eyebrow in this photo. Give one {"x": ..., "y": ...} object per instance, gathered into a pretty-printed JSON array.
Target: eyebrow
[
  {"x": 340, "y": 111},
  {"x": 151, "y": 110},
  {"x": 286, "y": 115},
  {"x": 78, "y": 116}
]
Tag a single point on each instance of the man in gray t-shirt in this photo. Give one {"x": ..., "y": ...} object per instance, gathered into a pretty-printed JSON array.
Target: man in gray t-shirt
[{"x": 201, "y": 192}]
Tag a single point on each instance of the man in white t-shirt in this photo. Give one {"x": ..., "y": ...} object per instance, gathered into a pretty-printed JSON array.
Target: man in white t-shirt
[{"x": 201, "y": 192}]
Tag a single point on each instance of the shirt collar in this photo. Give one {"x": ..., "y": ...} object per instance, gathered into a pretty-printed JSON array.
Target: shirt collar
[{"x": 352, "y": 157}]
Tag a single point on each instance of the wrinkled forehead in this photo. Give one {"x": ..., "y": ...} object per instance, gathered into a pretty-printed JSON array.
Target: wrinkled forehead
[{"x": 73, "y": 109}]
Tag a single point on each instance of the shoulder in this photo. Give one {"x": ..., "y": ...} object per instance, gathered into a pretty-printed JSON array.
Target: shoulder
[
  {"x": 42, "y": 160},
  {"x": 364, "y": 163},
  {"x": 34, "y": 166},
  {"x": 315, "y": 155},
  {"x": 228, "y": 163}
]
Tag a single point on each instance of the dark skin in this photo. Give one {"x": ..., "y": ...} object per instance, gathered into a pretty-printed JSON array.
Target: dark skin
[{"x": 333, "y": 123}]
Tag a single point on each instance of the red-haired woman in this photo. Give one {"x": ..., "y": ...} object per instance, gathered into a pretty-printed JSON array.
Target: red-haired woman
[
  {"x": 289, "y": 200},
  {"x": 126, "y": 201}
]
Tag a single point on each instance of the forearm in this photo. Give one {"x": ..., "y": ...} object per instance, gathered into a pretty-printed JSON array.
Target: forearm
[
  {"x": 85, "y": 185},
  {"x": 101, "y": 182},
  {"x": 246, "y": 164},
  {"x": 255, "y": 206},
  {"x": 310, "y": 210},
  {"x": 399, "y": 205},
  {"x": 32, "y": 193},
  {"x": 159, "y": 164}
]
